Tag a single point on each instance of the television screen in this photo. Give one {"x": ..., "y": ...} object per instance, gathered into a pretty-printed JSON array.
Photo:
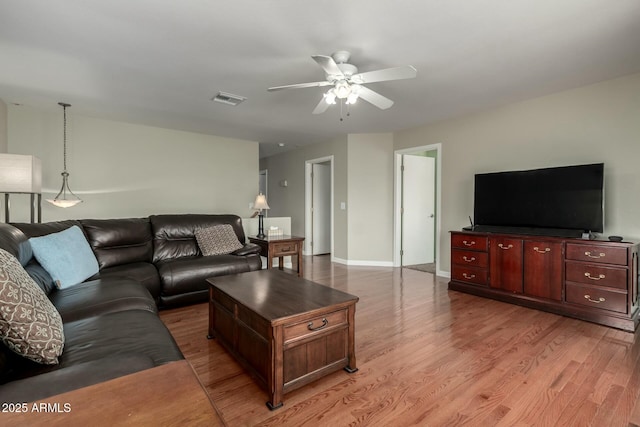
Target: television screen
[{"x": 569, "y": 197}]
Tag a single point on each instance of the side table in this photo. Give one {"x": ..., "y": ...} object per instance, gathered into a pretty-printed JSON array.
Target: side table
[{"x": 279, "y": 247}]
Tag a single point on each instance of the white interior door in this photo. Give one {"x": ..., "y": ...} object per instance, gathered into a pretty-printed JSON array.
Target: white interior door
[
  {"x": 321, "y": 208},
  {"x": 418, "y": 214}
]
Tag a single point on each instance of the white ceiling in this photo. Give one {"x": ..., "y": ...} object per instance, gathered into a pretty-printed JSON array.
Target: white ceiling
[{"x": 159, "y": 62}]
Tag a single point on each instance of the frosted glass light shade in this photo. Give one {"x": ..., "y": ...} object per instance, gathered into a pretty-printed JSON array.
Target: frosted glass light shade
[
  {"x": 65, "y": 198},
  {"x": 20, "y": 174},
  {"x": 261, "y": 202}
]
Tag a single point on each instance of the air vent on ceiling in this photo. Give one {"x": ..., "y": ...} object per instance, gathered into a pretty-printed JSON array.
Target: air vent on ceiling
[{"x": 228, "y": 98}]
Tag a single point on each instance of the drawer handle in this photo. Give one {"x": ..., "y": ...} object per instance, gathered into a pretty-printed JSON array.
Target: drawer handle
[
  {"x": 471, "y": 243},
  {"x": 310, "y": 327},
  {"x": 589, "y": 276},
  {"x": 588, "y": 298},
  {"x": 468, "y": 276},
  {"x": 469, "y": 259},
  {"x": 600, "y": 255},
  {"x": 540, "y": 251},
  {"x": 501, "y": 246},
  {"x": 287, "y": 249}
]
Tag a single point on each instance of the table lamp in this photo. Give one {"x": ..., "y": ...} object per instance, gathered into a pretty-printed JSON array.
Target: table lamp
[{"x": 259, "y": 205}]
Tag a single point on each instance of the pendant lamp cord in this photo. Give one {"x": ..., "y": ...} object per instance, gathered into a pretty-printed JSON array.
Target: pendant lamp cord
[
  {"x": 64, "y": 134},
  {"x": 64, "y": 138}
]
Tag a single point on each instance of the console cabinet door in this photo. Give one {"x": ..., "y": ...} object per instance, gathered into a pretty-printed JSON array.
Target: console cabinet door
[
  {"x": 543, "y": 269},
  {"x": 505, "y": 269}
]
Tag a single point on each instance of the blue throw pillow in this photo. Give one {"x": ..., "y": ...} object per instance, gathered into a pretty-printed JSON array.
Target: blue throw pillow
[{"x": 66, "y": 256}]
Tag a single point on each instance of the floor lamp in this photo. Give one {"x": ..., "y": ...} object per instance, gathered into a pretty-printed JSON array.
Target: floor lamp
[{"x": 21, "y": 174}]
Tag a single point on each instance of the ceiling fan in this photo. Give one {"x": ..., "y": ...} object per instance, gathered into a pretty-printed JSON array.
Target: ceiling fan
[{"x": 348, "y": 83}]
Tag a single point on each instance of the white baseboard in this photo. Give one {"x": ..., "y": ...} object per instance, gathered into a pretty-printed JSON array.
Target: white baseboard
[
  {"x": 442, "y": 273},
  {"x": 363, "y": 263}
]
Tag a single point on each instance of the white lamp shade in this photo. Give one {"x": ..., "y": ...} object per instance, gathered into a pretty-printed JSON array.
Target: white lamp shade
[
  {"x": 261, "y": 202},
  {"x": 20, "y": 174}
]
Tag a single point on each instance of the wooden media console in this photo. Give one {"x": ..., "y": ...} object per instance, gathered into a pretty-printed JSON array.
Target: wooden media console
[{"x": 593, "y": 280}]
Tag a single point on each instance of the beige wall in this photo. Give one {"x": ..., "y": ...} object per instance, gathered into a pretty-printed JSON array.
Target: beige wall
[
  {"x": 597, "y": 123},
  {"x": 289, "y": 201},
  {"x": 363, "y": 170},
  {"x": 126, "y": 170},
  {"x": 370, "y": 198},
  {"x": 3, "y": 127}
]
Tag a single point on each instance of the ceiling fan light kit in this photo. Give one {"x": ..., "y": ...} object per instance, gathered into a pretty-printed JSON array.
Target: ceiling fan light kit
[{"x": 347, "y": 83}]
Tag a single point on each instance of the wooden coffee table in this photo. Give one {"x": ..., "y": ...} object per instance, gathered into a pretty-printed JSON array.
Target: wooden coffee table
[
  {"x": 286, "y": 331},
  {"x": 168, "y": 395}
]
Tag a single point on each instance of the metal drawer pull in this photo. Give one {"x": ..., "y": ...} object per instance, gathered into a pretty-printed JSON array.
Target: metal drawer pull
[
  {"x": 600, "y": 255},
  {"x": 469, "y": 259},
  {"x": 464, "y": 242},
  {"x": 540, "y": 251},
  {"x": 324, "y": 323},
  {"x": 588, "y": 297},
  {"x": 501, "y": 246},
  {"x": 468, "y": 276},
  {"x": 589, "y": 276}
]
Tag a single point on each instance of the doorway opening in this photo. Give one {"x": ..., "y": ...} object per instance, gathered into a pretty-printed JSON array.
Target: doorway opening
[
  {"x": 319, "y": 206},
  {"x": 417, "y": 208}
]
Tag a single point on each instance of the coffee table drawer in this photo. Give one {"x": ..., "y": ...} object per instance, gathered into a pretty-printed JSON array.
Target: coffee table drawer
[{"x": 314, "y": 325}]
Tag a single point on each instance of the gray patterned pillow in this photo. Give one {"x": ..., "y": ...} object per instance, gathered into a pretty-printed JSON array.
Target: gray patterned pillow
[
  {"x": 30, "y": 325},
  {"x": 217, "y": 240}
]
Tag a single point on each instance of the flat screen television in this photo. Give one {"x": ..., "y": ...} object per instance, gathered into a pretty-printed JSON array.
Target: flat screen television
[{"x": 559, "y": 201}]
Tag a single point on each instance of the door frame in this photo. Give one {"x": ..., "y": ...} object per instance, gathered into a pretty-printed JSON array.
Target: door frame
[
  {"x": 308, "y": 230},
  {"x": 397, "y": 196},
  {"x": 264, "y": 172}
]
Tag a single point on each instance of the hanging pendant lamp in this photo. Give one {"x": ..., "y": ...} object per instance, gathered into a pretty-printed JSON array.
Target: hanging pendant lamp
[{"x": 65, "y": 198}]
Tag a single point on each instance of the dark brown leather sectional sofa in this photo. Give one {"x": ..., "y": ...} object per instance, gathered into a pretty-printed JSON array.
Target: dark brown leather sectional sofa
[{"x": 110, "y": 321}]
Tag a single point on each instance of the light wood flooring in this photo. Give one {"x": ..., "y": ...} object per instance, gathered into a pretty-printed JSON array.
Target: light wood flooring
[{"x": 432, "y": 357}]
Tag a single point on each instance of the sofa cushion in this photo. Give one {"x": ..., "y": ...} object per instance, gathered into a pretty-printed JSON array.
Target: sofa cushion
[
  {"x": 29, "y": 323},
  {"x": 101, "y": 296},
  {"x": 186, "y": 275},
  {"x": 142, "y": 272},
  {"x": 66, "y": 255},
  {"x": 217, "y": 240},
  {"x": 119, "y": 241},
  {"x": 113, "y": 334},
  {"x": 42, "y": 229},
  {"x": 174, "y": 235}
]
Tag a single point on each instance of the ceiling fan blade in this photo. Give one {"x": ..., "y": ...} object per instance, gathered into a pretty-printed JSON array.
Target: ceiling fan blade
[
  {"x": 397, "y": 73},
  {"x": 328, "y": 65},
  {"x": 300, "y": 85},
  {"x": 321, "y": 107},
  {"x": 374, "y": 98}
]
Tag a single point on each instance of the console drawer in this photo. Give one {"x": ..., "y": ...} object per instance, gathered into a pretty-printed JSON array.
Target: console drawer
[
  {"x": 474, "y": 259},
  {"x": 470, "y": 242},
  {"x": 477, "y": 276},
  {"x": 595, "y": 253},
  {"x": 594, "y": 274},
  {"x": 315, "y": 324},
  {"x": 591, "y": 296}
]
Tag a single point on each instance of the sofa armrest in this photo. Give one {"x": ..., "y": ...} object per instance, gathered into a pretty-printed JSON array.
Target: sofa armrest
[{"x": 248, "y": 249}]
